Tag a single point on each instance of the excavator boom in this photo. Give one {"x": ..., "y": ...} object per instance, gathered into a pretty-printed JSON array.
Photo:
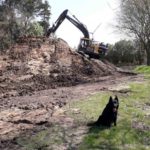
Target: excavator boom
[
  {"x": 74, "y": 21},
  {"x": 57, "y": 23}
]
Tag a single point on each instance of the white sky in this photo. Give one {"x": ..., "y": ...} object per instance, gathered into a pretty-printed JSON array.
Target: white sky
[{"x": 89, "y": 12}]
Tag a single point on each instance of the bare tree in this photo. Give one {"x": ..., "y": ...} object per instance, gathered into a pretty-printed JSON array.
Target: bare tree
[{"x": 134, "y": 19}]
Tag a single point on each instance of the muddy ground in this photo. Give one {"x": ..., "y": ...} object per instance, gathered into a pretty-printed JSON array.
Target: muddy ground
[
  {"x": 39, "y": 76},
  {"x": 39, "y": 64},
  {"x": 32, "y": 113}
]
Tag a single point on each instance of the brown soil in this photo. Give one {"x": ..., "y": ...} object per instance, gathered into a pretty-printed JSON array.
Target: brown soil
[
  {"x": 37, "y": 64},
  {"x": 39, "y": 76}
]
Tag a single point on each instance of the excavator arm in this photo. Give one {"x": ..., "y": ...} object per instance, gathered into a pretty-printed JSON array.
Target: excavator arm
[
  {"x": 57, "y": 23},
  {"x": 74, "y": 21},
  {"x": 80, "y": 26}
]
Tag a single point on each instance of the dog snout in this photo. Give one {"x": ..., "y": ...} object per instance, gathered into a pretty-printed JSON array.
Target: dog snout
[{"x": 114, "y": 109}]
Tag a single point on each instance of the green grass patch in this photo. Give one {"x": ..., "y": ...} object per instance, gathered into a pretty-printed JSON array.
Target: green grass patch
[
  {"x": 143, "y": 69},
  {"x": 88, "y": 109},
  {"x": 43, "y": 140},
  {"x": 132, "y": 131}
]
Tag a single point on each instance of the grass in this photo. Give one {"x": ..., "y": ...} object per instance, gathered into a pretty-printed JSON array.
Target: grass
[
  {"x": 125, "y": 135},
  {"x": 131, "y": 133},
  {"x": 43, "y": 139},
  {"x": 133, "y": 129},
  {"x": 143, "y": 69}
]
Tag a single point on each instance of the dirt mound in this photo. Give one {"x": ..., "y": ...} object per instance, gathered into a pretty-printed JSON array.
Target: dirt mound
[{"x": 39, "y": 63}]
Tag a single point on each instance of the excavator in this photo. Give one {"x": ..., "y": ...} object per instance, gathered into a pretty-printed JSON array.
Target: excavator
[{"x": 86, "y": 46}]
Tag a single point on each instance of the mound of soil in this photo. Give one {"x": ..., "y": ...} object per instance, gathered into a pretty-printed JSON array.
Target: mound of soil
[
  {"x": 39, "y": 63},
  {"x": 36, "y": 79}
]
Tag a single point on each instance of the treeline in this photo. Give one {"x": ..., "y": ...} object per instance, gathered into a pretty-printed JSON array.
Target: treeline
[
  {"x": 134, "y": 20},
  {"x": 22, "y": 18},
  {"x": 126, "y": 52}
]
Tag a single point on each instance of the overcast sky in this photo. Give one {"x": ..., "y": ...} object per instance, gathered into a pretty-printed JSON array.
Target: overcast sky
[{"x": 91, "y": 13}]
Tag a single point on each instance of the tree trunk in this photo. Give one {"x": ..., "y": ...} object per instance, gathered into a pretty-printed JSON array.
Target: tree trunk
[
  {"x": 148, "y": 53},
  {"x": 148, "y": 59}
]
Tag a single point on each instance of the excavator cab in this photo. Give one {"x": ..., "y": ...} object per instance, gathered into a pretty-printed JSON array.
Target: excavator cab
[{"x": 92, "y": 48}]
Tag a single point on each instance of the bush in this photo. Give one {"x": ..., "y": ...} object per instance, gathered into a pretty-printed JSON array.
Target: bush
[
  {"x": 35, "y": 29},
  {"x": 123, "y": 52}
]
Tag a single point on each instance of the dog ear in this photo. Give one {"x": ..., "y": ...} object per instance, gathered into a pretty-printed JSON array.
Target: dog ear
[
  {"x": 110, "y": 99},
  {"x": 116, "y": 98}
]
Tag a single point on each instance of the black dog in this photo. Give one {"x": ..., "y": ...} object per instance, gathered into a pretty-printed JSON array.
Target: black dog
[{"x": 109, "y": 114}]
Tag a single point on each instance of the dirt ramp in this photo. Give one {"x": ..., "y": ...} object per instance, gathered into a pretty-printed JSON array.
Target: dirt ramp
[{"x": 39, "y": 63}]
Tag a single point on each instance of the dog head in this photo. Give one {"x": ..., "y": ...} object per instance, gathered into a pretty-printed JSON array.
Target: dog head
[{"x": 114, "y": 103}]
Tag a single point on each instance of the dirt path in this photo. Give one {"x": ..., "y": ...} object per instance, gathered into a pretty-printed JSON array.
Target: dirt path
[
  {"x": 58, "y": 97},
  {"x": 35, "y": 112}
]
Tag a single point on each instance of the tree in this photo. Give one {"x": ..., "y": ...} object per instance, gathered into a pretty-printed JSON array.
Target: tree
[
  {"x": 134, "y": 19},
  {"x": 18, "y": 17},
  {"x": 123, "y": 52},
  {"x": 24, "y": 12},
  {"x": 7, "y": 24},
  {"x": 45, "y": 15},
  {"x": 27, "y": 11},
  {"x": 35, "y": 29}
]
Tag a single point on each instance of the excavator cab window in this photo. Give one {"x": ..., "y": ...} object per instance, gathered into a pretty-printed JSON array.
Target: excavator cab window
[{"x": 83, "y": 43}]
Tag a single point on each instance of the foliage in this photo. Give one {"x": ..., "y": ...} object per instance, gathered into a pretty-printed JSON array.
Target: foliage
[
  {"x": 35, "y": 29},
  {"x": 134, "y": 19},
  {"x": 143, "y": 69},
  {"x": 45, "y": 13},
  {"x": 123, "y": 52},
  {"x": 18, "y": 16},
  {"x": 30, "y": 9},
  {"x": 5, "y": 42}
]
